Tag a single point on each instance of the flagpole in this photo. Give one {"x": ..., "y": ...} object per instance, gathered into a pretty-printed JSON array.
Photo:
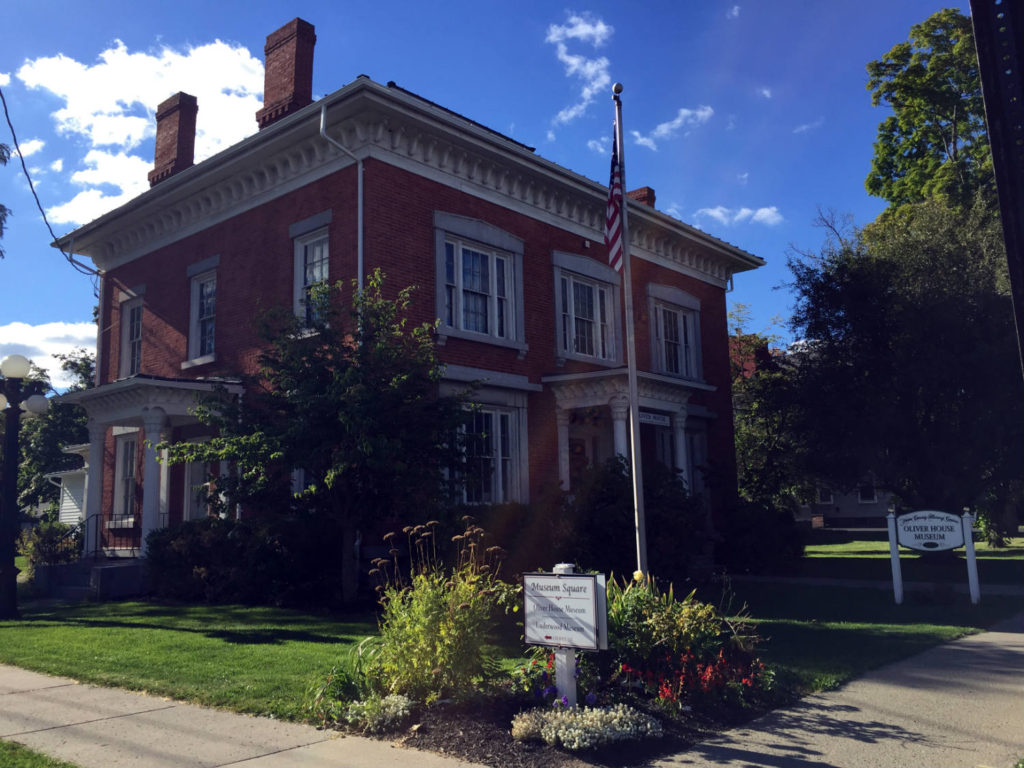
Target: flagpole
[{"x": 634, "y": 404}]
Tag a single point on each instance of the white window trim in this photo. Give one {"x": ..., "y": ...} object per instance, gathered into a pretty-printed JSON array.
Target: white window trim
[
  {"x": 874, "y": 494},
  {"x": 128, "y": 306},
  {"x": 299, "y": 282},
  {"x": 674, "y": 299},
  {"x": 824, "y": 496},
  {"x": 194, "y": 358},
  {"x": 488, "y": 239},
  {"x": 586, "y": 270}
]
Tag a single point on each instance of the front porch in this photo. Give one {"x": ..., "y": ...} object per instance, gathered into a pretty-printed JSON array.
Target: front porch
[{"x": 128, "y": 489}]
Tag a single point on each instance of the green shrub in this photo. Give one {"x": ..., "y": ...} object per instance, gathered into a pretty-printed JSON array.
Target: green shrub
[
  {"x": 681, "y": 653},
  {"x": 436, "y": 621},
  {"x": 50, "y": 542},
  {"x": 376, "y": 714},
  {"x": 584, "y": 728}
]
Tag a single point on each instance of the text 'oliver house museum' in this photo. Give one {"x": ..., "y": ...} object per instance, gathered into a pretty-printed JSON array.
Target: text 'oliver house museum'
[{"x": 506, "y": 248}]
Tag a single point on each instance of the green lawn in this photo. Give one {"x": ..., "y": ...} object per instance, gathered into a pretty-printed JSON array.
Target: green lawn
[
  {"x": 824, "y": 636},
  {"x": 16, "y": 756},
  {"x": 256, "y": 660},
  {"x": 864, "y": 555}
]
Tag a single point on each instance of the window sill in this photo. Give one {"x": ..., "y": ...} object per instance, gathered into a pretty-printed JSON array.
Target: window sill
[
  {"x": 446, "y": 332},
  {"x": 561, "y": 360},
  {"x": 121, "y": 521},
  {"x": 197, "y": 361}
]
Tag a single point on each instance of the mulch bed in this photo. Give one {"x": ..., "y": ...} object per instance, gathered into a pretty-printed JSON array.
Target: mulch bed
[{"x": 481, "y": 733}]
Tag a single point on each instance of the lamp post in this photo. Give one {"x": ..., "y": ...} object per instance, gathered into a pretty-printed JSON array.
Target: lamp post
[{"x": 15, "y": 396}]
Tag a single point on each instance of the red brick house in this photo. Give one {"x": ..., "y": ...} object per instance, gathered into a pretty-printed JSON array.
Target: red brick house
[{"x": 506, "y": 248}]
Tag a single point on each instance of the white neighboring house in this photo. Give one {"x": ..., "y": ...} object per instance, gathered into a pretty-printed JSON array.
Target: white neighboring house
[
  {"x": 72, "y": 484},
  {"x": 866, "y": 506}
]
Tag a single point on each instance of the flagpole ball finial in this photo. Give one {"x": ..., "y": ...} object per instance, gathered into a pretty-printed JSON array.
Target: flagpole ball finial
[{"x": 617, "y": 89}]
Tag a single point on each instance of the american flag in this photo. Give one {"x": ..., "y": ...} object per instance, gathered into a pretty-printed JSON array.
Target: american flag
[{"x": 613, "y": 218}]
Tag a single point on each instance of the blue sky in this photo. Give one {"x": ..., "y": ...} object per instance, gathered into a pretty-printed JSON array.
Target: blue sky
[{"x": 745, "y": 117}]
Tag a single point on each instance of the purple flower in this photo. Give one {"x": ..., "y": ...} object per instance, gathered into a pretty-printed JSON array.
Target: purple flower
[
  {"x": 565, "y": 701},
  {"x": 543, "y": 677},
  {"x": 550, "y": 690},
  {"x": 591, "y": 699}
]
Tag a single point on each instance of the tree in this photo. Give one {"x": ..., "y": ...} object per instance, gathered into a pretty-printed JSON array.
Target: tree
[
  {"x": 769, "y": 454},
  {"x": 911, "y": 375},
  {"x": 43, "y": 438},
  {"x": 352, "y": 406},
  {"x": 934, "y": 143}
]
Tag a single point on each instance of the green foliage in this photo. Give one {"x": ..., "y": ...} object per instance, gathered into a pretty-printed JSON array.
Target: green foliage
[
  {"x": 585, "y": 728},
  {"x": 13, "y": 755},
  {"x": 680, "y": 653},
  {"x": 43, "y": 437},
  {"x": 935, "y": 143},
  {"x": 600, "y": 521},
  {"x": 756, "y": 539},
  {"x": 352, "y": 403},
  {"x": 378, "y": 714},
  {"x": 436, "y": 620},
  {"x": 50, "y": 542},
  {"x": 912, "y": 360},
  {"x": 219, "y": 560}
]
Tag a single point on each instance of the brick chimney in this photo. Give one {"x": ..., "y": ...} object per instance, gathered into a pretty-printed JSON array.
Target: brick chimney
[
  {"x": 175, "y": 137},
  {"x": 643, "y": 195},
  {"x": 288, "y": 71}
]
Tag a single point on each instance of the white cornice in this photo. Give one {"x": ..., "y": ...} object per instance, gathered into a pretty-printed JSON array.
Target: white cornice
[{"x": 394, "y": 127}]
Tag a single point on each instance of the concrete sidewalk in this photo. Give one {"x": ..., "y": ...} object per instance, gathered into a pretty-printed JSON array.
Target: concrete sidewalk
[
  {"x": 958, "y": 705},
  {"x": 110, "y": 728}
]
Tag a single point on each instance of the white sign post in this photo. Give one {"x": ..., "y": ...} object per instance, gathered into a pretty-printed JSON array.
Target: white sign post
[
  {"x": 932, "y": 531},
  {"x": 565, "y": 611}
]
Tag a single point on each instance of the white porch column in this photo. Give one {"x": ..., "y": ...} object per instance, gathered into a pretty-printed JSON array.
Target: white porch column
[
  {"x": 153, "y": 421},
  {"x": 682, "y": 460},
  {"x": 91, "y": 544},
  {"x": 562, "y": 423},
  {"x": 620, "y": 424}
]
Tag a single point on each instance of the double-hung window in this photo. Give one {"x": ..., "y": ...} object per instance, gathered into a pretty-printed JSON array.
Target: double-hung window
[
  {"x": 479, "y": 282},
  {"x": 124, "y": 475},
  {"x": 478, "y": 293},
  {"x": 587, "y": 309},
  {"x": 490, "y": 466},
  {"x": 675, "y": 331},
  {"x": 131, "y": 337},
  {"x": 311, "y": 259}
]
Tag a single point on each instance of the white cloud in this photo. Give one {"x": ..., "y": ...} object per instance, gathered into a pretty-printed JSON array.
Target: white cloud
[
  {"x": 5, "y": 79},
  {"x": 40, "y": 343},
  {"x": 667, "y": 130},
  {"x": 601, "y": 146},
  {"x": 765, "y": 92},
  {"x": 805, "y": 127},
  {"x": 743, "y": 178},
  {"x": 593, "y": 72},
  {"x": 550, "y": 135},
  {"x": 733, "y": 13},
  {"x": 57, "y": 165},
  {"x": 112, "y": 104},
  {"x": 582, "y": 28},
  {"x": 769, "y": 216},
  {"x": 126, "y": 174},
  {"x": 31, "y": 146}
]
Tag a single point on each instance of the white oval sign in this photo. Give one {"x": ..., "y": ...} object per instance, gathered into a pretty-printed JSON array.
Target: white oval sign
[{"x": 930, "y": 531}]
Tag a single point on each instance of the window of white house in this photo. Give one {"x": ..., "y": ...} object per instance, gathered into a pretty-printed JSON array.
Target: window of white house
[
  {"x": 479, "y": 282},
  {"x": 490, "y": 457},
  {"x": 202, "y": 317},
  {"x": 131, "y": 337},
  {"x": 586, "y": 303},
  {"x": 866, "y": 493},
  {"x": 675, "y": 332},
  {"x": 311, "y": 258},
  {"x": 124, "y": 475},
  {"x": 824, "y": 496}
]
